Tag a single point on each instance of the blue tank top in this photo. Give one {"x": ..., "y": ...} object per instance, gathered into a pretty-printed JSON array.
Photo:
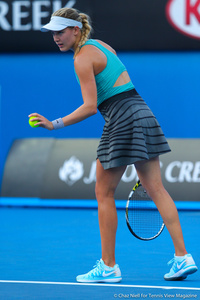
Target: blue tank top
[{"x": 106, "y": 79}]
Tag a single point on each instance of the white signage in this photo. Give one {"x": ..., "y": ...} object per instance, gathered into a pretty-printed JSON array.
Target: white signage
[
  {"x": 176, "y": 171},
  {"x": 28, "y": 15}
]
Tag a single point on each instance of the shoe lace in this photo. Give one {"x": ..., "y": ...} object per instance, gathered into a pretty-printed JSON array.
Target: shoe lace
[
  {"x": 97, "y": 268},
  {"x": 174, "y": 262},
  {"x": 171, "y": 261}
]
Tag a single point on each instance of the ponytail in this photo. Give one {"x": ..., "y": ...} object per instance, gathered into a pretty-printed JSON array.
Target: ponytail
[{"x": 85, "y": 31}]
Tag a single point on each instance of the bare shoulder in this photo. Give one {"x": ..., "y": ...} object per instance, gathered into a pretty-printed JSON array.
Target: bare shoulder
[
  {"x": 84, "y": 56},
  {"x": 90, "y": 58},
  {"x": 87, "y": 54},
  {"x": 83, "y": 62}
]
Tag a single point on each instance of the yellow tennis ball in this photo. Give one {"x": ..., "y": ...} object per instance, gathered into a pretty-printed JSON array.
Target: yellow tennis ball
[{"x": 32, "y": 122}]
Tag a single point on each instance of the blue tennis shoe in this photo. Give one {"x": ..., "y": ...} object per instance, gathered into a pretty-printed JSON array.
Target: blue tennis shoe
[
  {"x": 181, "y": 268},
  {"x": 101, "y": 273}
]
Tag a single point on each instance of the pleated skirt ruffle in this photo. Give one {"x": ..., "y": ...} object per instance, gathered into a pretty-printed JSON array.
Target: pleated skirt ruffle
[{"x": 131, "y": 132}]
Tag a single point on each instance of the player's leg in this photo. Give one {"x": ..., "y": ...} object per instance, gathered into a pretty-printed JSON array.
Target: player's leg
[
  {"x": 150, "y": 177},
  {"x": 106, "y": 270},
  {"x": 149, "y": 174},
  {"x": 106, "y": 184}
]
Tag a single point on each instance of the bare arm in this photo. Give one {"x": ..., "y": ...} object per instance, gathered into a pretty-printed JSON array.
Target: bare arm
[{"x": 84, "y": 70}]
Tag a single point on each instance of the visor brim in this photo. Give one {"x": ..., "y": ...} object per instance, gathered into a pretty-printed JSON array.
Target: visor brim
[{"x": 52, "y": 27}]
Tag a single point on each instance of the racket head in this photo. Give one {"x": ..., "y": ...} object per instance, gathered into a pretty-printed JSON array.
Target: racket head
[{"x": 142, "y": 216}]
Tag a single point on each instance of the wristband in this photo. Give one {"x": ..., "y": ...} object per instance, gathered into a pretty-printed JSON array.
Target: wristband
[{"x": 58, "y": 123}]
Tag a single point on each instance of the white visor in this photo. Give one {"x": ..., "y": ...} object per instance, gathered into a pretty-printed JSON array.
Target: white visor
[{"x": 59, "y": 23}]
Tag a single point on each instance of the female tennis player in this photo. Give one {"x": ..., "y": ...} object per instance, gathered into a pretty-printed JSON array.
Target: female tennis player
[{"x": 131, "y": 135}]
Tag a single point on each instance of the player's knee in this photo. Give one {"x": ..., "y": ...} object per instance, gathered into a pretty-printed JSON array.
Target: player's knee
[
  {"x": 155, "y": 189},
  {"x": 103, "y": 192}
]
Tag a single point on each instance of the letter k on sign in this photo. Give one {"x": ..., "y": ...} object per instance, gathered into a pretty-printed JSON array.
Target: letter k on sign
[
  {"x": 192, "y": 8},
  {"x": 184, "y": 16}
]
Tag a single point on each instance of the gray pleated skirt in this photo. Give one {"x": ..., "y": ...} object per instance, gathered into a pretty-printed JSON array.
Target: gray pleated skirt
[{"x": 131, "y": 132}]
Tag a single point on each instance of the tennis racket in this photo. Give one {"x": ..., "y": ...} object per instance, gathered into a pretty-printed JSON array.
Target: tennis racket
[{"x": 142, "y": 216}]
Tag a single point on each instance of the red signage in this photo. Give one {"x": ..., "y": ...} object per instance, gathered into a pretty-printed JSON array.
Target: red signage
[{"x": 184, "y": 16}]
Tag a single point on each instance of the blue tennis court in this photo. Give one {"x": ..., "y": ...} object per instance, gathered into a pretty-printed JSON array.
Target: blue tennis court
[{"x": 43, "y": 250}]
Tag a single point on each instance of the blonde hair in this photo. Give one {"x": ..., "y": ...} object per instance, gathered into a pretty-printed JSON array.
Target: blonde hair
[{"x": 74, "y": 14}]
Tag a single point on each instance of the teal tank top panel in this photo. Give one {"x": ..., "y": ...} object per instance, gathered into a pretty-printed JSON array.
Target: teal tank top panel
[{"x": 106, "y": 79}]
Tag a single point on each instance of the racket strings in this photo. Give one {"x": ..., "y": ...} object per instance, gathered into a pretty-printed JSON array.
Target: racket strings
[{"x": 143, "y": 216}]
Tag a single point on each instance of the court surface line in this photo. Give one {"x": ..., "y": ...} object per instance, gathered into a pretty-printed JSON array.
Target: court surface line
[{"x": 102, "y": 284}]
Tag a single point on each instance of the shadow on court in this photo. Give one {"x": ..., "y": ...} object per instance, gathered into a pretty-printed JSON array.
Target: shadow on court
[{"x": 43, "y": 250}]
